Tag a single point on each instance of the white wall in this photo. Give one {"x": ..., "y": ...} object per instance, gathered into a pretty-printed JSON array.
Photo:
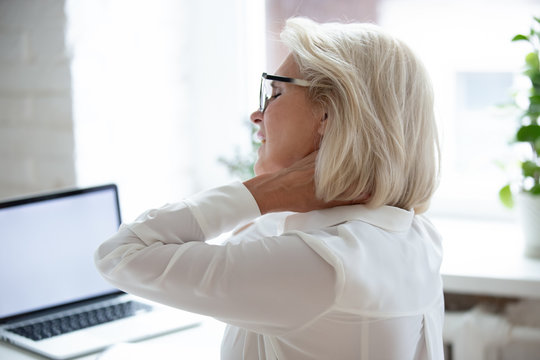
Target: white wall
[{"x": 36, "y": 127}]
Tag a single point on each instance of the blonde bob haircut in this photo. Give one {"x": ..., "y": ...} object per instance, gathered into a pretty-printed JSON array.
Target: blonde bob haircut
[{"x": 380, "y": 136}]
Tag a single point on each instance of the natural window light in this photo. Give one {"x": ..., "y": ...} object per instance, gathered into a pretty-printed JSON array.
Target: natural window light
[
  {"x": 161, "y": 90},
  {"x": 160, "y": 96},
  {"x": 466, "y": 46}
]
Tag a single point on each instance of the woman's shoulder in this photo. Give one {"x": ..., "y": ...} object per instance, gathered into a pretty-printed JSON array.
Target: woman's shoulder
[{"x": 378, "y": 264}]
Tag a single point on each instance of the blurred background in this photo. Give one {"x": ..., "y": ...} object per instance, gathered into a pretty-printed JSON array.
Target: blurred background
[{"x": 150, "y": 95}]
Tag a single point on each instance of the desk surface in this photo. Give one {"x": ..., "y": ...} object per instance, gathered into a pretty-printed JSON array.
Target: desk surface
[
  {"x": 199, "y": 343},
  {"x": 486, "y": 258}
]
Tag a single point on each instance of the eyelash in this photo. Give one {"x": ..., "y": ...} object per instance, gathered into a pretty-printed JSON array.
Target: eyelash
[{"x": 276, "y": 92}]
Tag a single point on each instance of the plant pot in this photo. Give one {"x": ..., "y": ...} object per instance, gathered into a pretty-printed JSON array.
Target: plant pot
[{"x": 529, "y": 217}]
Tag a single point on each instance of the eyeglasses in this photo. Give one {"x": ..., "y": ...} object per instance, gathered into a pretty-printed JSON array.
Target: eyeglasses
[{"x": 267, "y": 90}]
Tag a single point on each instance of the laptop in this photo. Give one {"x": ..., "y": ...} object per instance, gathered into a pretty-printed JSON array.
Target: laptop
[{"x": 54, "y": 302}]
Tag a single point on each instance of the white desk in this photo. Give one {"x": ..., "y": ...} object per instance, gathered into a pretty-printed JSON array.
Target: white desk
[
  {"x": 199, "y": 343},
  {"x": 486, "y": 258}
]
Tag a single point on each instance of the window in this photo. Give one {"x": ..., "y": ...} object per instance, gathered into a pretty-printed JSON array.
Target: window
[
  {"x": 467, "y": 48},
  {"x": 161, "y": 90}
]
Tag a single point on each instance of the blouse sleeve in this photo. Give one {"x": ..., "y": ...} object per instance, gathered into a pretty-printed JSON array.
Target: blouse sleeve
[{"x": 272, "y": 285}]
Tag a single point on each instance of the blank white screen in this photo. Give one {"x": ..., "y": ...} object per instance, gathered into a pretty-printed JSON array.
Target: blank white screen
[{"x": 46, "y": 257}]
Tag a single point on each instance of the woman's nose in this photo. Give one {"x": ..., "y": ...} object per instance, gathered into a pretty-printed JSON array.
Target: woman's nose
[{"x": 256, "y": 117}]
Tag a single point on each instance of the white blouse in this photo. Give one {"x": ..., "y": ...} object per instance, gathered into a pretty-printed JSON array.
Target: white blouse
[{"x": 342, "y": 283}]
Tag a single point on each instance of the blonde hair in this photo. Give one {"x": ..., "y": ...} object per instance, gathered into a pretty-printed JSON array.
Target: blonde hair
[{"x": 380, "y": 137}]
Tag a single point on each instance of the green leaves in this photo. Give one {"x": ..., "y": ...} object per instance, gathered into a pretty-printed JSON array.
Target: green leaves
[
  {"x": 520, "y": 37},
  {"x": 535, "y": 190},
  {"x": 531, "y": 59},
  {"x": 529, "y": 168},
  {"x": 529, "y": 130},
  {"x": 535, "y": 99},
  {"x": 532, "y": 70},
  {"x": 528, "y": 133},
  {"x": 505, "y": 195}
]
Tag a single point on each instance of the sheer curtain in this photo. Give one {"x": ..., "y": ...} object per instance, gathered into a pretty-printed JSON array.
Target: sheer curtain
[{"x": 161, "y": 90}]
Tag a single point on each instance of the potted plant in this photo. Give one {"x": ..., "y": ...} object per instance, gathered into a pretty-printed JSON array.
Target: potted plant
[{"x": 528, "y": 132}]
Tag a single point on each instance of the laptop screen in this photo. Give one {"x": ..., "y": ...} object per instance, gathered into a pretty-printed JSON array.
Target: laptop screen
[{"x": 47, "y": 248}]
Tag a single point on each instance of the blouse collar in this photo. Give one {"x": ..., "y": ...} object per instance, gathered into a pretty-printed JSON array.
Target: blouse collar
[{"x": 385, "y": 217}]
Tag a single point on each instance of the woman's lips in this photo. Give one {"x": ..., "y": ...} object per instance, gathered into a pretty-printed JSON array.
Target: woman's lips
[{"x": 261, "y": 138}]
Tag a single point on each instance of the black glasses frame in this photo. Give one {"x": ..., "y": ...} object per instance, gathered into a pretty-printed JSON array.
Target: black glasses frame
[{"x": 263, "y": 99}]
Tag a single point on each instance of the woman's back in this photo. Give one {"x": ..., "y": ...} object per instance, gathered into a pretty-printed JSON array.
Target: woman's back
[{"x": 387, "y": 291}]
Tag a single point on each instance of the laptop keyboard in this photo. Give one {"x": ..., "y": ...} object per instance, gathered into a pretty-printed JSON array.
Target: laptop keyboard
[{"x": 72, "y": 322}]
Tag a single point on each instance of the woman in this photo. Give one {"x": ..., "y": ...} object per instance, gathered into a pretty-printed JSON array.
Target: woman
[{"x": 335, "y": 262}]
